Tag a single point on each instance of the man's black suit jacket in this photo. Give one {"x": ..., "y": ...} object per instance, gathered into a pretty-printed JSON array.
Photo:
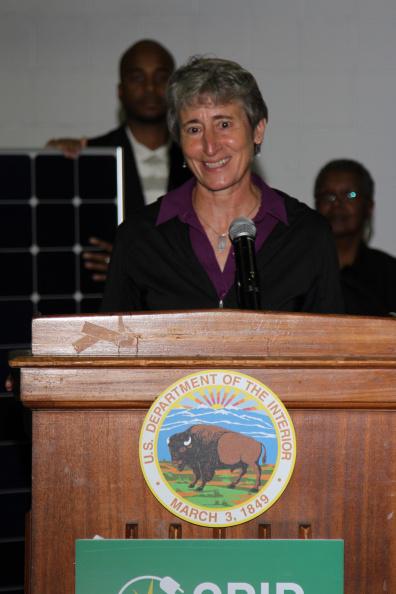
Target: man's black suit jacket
[{"x": 133, "y": 193}]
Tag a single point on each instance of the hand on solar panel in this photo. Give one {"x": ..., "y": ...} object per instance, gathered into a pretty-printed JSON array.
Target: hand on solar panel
[
  {"x": 12, "y": 382},
  {"x": 9, "y": 383},
  {"x": 98, "y": 261},
  {"x": 70, "y": 147}
]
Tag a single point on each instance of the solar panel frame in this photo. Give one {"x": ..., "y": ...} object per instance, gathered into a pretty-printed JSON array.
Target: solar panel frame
[{"x": 49, "y": 207}]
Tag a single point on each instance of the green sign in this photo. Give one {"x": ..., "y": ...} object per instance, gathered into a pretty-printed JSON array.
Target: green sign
[{"x": 209, "y": 567}]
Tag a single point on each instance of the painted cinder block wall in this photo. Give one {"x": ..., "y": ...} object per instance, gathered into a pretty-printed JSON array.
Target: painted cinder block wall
[{"x": 327, "y": 71}]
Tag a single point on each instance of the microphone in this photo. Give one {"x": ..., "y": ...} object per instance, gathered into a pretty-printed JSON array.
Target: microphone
[{"x": 242, "y": 233}]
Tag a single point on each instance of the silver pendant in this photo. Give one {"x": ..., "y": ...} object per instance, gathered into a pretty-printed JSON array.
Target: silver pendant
[{"x": 222, "y": 242}]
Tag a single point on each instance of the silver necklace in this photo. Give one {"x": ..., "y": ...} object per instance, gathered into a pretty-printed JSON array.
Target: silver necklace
[{"x": 222, "y": 237}]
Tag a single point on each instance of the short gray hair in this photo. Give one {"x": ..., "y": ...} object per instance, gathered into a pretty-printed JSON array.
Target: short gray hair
[{"x": 221, "y": 81}]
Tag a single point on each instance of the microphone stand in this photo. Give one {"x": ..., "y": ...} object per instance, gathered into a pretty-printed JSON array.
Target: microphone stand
[
  {"x": 248, "y": 293},
  {"x": 242, "y": 233}
]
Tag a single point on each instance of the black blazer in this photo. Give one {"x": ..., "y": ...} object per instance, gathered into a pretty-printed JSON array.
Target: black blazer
[
  {"x": 134, "y": 198},
  {"x": 154, "y": 267}
]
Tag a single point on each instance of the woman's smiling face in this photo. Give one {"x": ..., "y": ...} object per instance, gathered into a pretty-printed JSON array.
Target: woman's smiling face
[{"x": 217, "y": 141}]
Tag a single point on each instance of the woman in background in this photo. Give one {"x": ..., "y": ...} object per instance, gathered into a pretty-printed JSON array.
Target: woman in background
[{"x": 344, "y": 194}]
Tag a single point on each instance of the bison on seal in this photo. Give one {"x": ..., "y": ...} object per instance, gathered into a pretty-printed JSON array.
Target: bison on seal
[{"x": 206, "y": 448}]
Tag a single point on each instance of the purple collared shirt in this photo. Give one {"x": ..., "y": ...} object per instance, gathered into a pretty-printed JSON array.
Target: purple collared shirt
[{"x": 178, "y": 203}]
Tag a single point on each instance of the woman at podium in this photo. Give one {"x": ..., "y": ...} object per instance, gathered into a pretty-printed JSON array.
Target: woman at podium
[{"x": 178, "y": 254}]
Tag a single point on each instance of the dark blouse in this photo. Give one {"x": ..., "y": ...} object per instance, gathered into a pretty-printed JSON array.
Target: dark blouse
[{"x": 369, "y": 285}]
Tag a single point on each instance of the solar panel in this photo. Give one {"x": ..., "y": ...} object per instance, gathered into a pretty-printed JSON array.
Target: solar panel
[{"x": 50, "y": 206}]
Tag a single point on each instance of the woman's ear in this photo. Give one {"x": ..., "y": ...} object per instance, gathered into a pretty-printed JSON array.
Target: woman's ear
[{"x": 259, "y": 132}]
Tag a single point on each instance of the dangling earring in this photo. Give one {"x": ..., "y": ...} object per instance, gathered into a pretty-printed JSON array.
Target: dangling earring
[
  {"x": 257, "y": 149},
  {"x": 184, "y": 165},
  {"x": 368, "y": 230}
]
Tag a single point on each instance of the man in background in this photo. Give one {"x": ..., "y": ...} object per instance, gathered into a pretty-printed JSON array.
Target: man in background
[{"x": 153, "y": 164}]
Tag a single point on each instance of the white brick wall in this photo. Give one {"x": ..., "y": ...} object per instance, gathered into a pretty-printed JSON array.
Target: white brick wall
[{"x": 326, "y": 68}]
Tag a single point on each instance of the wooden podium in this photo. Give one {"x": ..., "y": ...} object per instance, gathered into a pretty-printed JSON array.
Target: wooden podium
[{"x": 90, "y": 380}]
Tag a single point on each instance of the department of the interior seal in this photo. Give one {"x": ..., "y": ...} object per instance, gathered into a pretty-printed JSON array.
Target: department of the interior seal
[{"x": 217, "y": 448}]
